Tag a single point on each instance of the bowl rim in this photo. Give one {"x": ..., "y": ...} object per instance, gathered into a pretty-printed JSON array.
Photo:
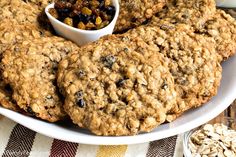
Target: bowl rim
[
  {"x": 186, "y": 150},
  {"x": 114, "y": 2}
]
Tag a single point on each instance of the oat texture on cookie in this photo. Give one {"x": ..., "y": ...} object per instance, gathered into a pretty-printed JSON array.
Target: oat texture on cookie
[
  {"x": 194, "y": 63},
  {"x": 117, "y": 86},
  {"x": 190, "y": 12},
  {"x": 204, "y": 19},
  {"x": 30, "y": 69},
  {"x": 18, "y": 22},
  {"x": 135, "y": 13}
]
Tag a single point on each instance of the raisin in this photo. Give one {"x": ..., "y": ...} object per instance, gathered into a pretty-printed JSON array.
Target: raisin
[
  {"x": 96, "y": 12},
  {"x": 93, "y": 18},
  {"x": 101, "y": 5},
  {"x": 164, "y": 86},
  {"x": 185, "y": 16},
  {"x": 80, "y": 73},
  {"x": 72, "y": 1},
  {"x": 120, "y": 82},
  {"x": 103, "y": 24},
  {"x": 110, "y": 10},
  {"x": 68, "y": 21},
  {"x": 104, "y": 16},
  {"x": 98, "y": 20},
  {"x": 182, "y": 81},
  {"x": 86, "y": 11},
  {"x": 74, "y": 13},
  {"x": 80, "y": 103},
  {"x": 90, "y": 25},
  {"x": 79, "y": 98},
  {"x": 109, "y": 60},
  {"x": 81, "y": 25},
  {"x": 126, "y": 49},
  {"x": 83, "y": 18},
  {"x": 107, "y": 2},
  {"x": 59, "y": 5},
  {"x": 54, "y": 13},
  {"x": 133, "y": 19},
  {"x": 30, "y": 111},
  {"x": 8, "y": 88},
  {"x": 125, "y": 101},
  {"x": 94, "y": 3},
  {"x": 79, "y": 94},
  {"x": 85, "y": 3},
  {"x": 84, "y": 14}
]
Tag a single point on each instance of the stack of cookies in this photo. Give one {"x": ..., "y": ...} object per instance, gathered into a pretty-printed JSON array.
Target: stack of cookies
[{"x": 165, "y": 62}]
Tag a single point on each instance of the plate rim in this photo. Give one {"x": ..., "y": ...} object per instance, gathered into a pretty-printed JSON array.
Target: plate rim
[{"x": 121, "y": 140}]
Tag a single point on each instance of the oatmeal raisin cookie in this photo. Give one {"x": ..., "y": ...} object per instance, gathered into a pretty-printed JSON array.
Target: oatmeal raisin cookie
[
  {"x": 30, "y": 69},
  {"x": 194, "y": 61},
  {"x": 117, "y": 86}
]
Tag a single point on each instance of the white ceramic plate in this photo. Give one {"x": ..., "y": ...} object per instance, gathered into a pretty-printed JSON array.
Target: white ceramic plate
[
  {"x": 226, "y": 3},
  {"x": 189, "y": 120}
]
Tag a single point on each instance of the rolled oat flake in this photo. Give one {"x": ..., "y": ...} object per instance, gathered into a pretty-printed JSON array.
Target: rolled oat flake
[{"x": 213, "y": 141}]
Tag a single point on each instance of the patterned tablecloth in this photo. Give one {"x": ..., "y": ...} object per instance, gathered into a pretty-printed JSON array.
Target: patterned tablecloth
[{"x": 18, "y": 141}]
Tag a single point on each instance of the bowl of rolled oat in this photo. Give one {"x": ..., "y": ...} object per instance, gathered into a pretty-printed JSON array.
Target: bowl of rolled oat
[
  {"x": 83, "y": 21},
  {"x": 211, "y": 140}
]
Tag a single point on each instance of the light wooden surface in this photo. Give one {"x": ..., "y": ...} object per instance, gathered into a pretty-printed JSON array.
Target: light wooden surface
[
  {"x": 232, "y": 110},
  {"x": 1, "y": 117},
  {"x": 229, "y": 112}
]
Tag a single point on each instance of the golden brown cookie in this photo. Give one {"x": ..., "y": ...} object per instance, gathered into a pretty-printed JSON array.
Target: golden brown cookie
[
  {"x": 194, "y": 61},
  {"x": 222, "y": 27},
  {"x": 12, "y": 33},
  {"x": 205, "y": 19},
  {"x": 30, "y": 69},
  {"x": 190, "y": 12},
  {"x": 18, "y": 23},
  {"x": 40, "y": 3},
  {"x": 117, "y": 86},
  {"x": 134, "y": 13}
]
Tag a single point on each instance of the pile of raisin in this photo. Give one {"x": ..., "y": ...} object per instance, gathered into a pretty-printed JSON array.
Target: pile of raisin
[{"x": 84, "y": 14}]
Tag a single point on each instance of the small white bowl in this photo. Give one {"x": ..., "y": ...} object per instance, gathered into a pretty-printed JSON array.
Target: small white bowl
[
  {"x": 227, "y": 121},
  {"x": 82, "y": 37},
  {"x": 226, "y": 3}
]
